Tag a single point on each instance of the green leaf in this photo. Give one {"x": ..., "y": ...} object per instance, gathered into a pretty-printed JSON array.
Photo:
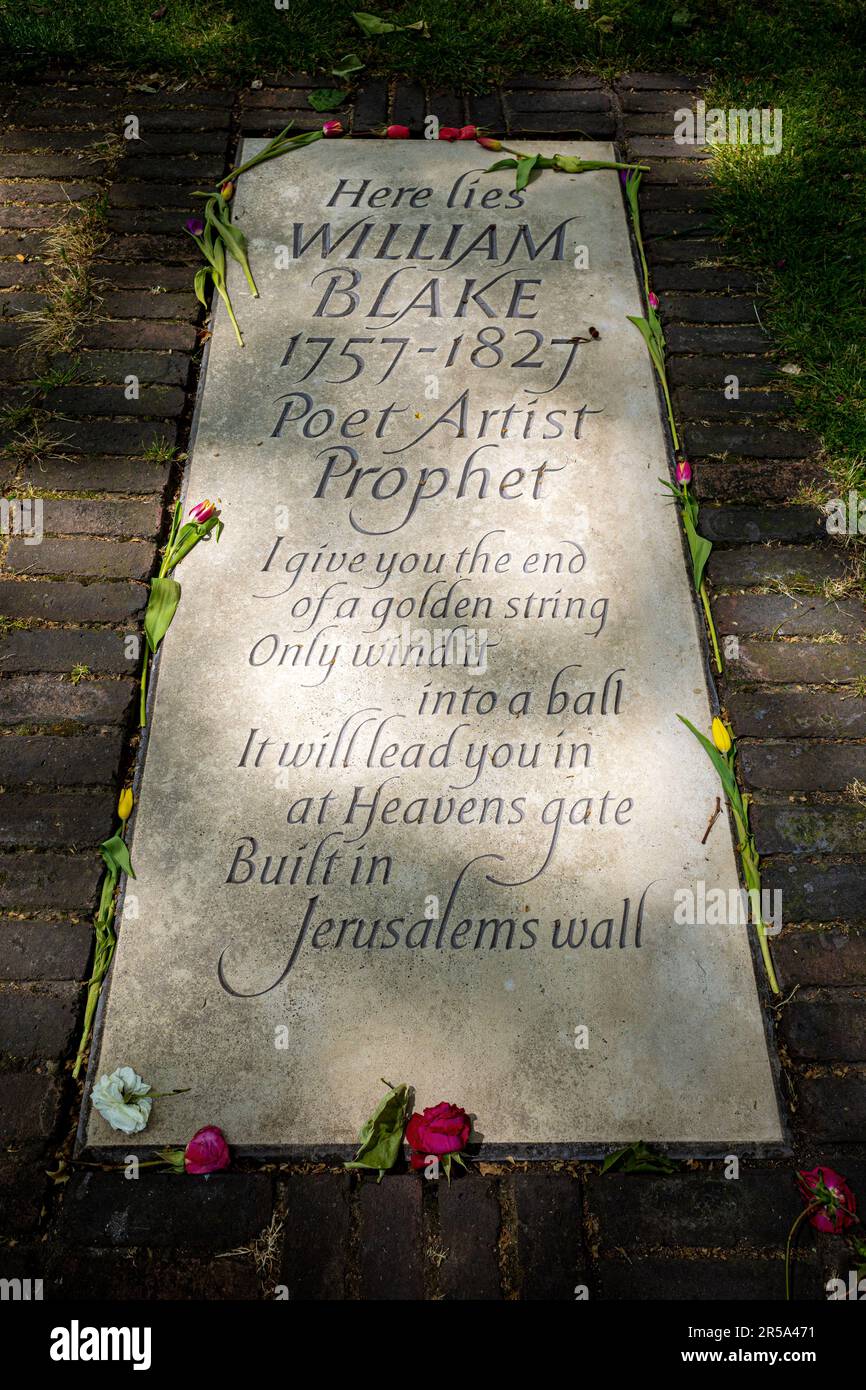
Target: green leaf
[
  {"x": 656, "y": 327},
  {"x": 638, "y": 1158},
  {"x": 161, "y": 608},
  {"x": 647, "y": 335},
  {"x": 226, "y": 233},
  {"x": 373, "y": 25},
  {"x": 200, "y": 282},
  {"x": 699, "y": 547},
  {"x": 116, "y": 856},
  {"x": 729, "y": 781},
  {"x": 326, "y": 98},
  {"x": 525, "y": 165},
  {"x": 351, "y": 63},
  {"x": 381, "y": 1137},
  {"x": 501, "y": 164}
]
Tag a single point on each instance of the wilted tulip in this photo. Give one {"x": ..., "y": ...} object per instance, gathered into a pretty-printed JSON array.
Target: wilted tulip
[
  {"x": 684, "y": 471},
  {"x": 721, "y": 737},
  {"x": 194, "y": 225},
  {"x": 468, "y": 132},
  {"x": 397, "y": 132},
  {"x": 449, "y": 132},
  {"x": 331, "y": 128},
  {"x": 227, "y": 191},
  {"x": 124, "y": 804},
  {"x": 488, "y": 143}
]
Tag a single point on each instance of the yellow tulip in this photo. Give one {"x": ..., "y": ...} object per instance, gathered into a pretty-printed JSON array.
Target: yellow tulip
[
  {"x": 124, "y": 805},
  {"x": 721, "y": 737}
]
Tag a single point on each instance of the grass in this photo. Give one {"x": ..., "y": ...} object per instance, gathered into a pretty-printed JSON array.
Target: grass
[
  {"x": 69, "y": 295},
  {"x": 798, "y": 219}
]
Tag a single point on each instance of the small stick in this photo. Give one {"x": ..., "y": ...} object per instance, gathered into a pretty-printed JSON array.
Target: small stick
[{"x": 713, "y": 818}]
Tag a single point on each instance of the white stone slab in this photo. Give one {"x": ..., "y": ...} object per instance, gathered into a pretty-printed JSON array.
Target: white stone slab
[{"x": 282, "y": 1034}]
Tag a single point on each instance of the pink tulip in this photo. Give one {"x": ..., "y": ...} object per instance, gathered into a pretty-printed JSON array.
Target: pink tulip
[
  {"x": 331, "y": 128},
  {"x": 203, "y": 511},
  {"x": 207, "y": 1151},
  {"x": 653, "y": 300},
  {"x": 397, "y": 132},
  {"x": 684, "y": 471}
]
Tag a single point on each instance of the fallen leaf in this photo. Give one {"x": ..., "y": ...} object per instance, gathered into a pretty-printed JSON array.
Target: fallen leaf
[{"x": 326, "y": 99}]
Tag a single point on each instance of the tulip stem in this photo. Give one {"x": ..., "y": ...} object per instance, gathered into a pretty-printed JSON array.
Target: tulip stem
[
  {"x": 142, "y": 711},
  {"x": 223, "y": 294},
  {"x": 711, "y": 625},
  {"x": 807, "y": 1211}
]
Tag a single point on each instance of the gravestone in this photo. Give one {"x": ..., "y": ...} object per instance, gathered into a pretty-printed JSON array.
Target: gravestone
[{"x": 416, "y": 802}]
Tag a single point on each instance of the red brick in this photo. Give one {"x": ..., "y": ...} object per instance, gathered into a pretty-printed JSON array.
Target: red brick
[
  {"x": 48, "y": 759},
  {"x": 53, "y": 699},
  {"x": 44, "y": 950},
  {"x": 798, "y": 767},
  {"x": 390, "y": 1257},
  {"x": 101, "y": 559},
  {"x": 60, "y": 649},
  {"x": 38, "y": 1023},
  {"x": 29, "y": 1105},
  {"x": 827, "y": 1026},
  {"x": 63, "y": 601},
  {"x": 49, "y": 880},
  {"x": 827, "y": 956}
]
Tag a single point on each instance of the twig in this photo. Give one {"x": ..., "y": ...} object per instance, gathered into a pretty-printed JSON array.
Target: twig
[{"x": 713, "y": 818}]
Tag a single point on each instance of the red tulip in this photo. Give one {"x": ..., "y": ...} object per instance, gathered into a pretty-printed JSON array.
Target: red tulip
[
  {"x": 331, "y": 128},
  {"x": 397, "y": 132},
  {"x": 449, "y": 132},
  {"x": 207, "y": 1151},
  {"x": 203, "y": 511},
  {"x": 487, "y": 142},
  {"x": 684, "y": 471},
  {"x": 468, "y": 132},
  {"x": 838, "y": 1205}
]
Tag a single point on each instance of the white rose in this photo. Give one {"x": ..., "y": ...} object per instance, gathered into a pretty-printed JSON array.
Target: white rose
[{"x": 123, "y": 1100}]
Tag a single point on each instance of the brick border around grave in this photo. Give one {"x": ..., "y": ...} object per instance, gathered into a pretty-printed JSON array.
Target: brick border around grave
[{"x": 505, "y": 1231}]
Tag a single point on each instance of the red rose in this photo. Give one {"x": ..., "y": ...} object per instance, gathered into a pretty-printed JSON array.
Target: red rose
[
  {"x": 441, "y": 1129},
  {"x": 207, "y": 1151},
  {"x": 449, "y": 132},
  {"x": 838, "y": 1203}
]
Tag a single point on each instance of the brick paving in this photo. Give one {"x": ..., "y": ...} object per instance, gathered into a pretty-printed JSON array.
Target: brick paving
[{"x": 507, "y": 1230}]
